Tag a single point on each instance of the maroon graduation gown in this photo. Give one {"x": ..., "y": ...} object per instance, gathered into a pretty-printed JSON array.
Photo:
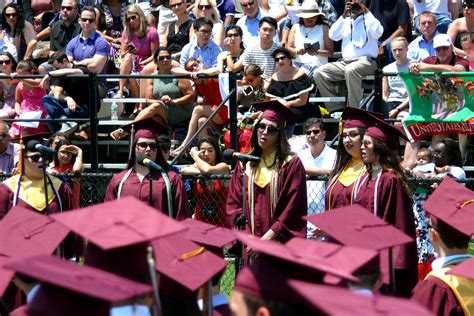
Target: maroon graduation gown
[
  {"x": 141, "y": 190},
  {"x": 338, "y": 195},
  {"x": 437, "y": 297},
  {"x": 395, "y": 207},
  {"x": 6, "y": 200},
  {"x": 291, "y": 206}
]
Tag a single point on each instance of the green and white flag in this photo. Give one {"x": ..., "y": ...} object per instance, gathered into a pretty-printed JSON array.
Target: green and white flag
[{"x": 440, "y": 103}]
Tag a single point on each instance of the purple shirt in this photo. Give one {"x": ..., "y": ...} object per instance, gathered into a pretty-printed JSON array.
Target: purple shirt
[
  {"x": 9, "y": 158},
  {"x": 80, "y": 48}
]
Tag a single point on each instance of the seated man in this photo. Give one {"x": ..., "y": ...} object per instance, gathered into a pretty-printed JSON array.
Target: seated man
[
  {"x": 359, "y": 31},
  {"x": 69, "y": 98},
  {"x": 422, "y": 46},
  {"x": 9, "y": 153}
]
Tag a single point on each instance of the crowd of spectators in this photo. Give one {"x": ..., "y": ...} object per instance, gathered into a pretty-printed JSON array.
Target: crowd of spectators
[{"x": 325, "y": 47}]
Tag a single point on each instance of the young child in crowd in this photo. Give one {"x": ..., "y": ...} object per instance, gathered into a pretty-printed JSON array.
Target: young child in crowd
[{"x": 28, "y": 97}]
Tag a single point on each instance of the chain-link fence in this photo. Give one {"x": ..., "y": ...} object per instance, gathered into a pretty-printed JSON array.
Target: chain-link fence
[{"x": 207, "y": 197}]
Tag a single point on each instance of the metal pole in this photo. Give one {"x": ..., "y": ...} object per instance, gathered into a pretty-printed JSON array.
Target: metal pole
[
  {"x": 233, "y": 108},
  {"x": 378, "y": 91},
  {"x": 156, "y": 309},
  {"x": 93, "y": 101}
]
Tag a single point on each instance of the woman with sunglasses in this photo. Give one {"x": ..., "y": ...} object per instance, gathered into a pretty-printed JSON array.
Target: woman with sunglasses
[
  {"x": 276, "y": 198},
  {"x": 27, "y": 188},
  {"x": 15, "y": 29},
  {"x": 208, "y": 9},
  {"x": 177, "y": 35},
  {"x": 7, "y": 87},
  {"x": 139, "y": 41},
  {"x": 384, "y": 191},
  {"x": 169, "y": 99},
  {"x": 462, "y": 26},
  {"x": 168, "y": 192},
  {"x": 291, "y": 86}
]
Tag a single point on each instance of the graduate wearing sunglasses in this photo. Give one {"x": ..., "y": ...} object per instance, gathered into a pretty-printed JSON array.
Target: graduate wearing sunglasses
[
  {"x": 276, "y": 186},
  {"x": 168, "y": 192},
  {"x": 27, "y": 188}
]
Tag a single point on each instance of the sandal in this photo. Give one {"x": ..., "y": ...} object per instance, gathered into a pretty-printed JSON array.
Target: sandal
[
  {"x": 118, "y": 95},
  {"x": 118, "y": 134},
  {"x": 134, "y": 114}
]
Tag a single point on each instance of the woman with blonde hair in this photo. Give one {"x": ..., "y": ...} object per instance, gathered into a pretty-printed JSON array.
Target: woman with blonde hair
[
  {"x": 208, "y": 9},
  {"x": 139, "y": 41}
]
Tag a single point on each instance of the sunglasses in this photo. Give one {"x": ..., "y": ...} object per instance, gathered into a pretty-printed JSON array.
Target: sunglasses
[
  {"x": 281, "y": 58},
  {"x": 271, "y": 130},
  {"x": 5, "y": 62},
  {"x": 34, "y": 158},
  {"x": 131, "y": 18},
  {"x": 143, "y": 146},
  {"x": 233, "y": 35},
  {"x": 87, "y": 20},
  {"x": 67, "y": 8},
  {"x": 248, "y": 4},
  {"x": 314, "y": 131},
  {"x": 176, "y": 5},
  {"x": 11, "y": 15},
  {"x": 204, "y": 7},
  {"x": 166, "y": 57}
]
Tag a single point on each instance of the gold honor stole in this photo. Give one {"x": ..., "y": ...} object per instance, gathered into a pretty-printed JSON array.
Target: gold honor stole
[{"x": 32, "y": 192}]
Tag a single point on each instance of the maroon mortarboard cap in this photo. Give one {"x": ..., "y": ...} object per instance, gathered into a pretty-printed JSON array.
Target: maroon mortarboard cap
[
  {"x": 26, "y": 233},
  {"x": 146, "y": 128},
  {"x": 464, "y": 269},
  {"x": 40, "y": 137},
  {"x": 355, "y": 226},
  {"x": 451, "y": 207},
  {"x": 275, "y": 111},
  {"x": 384, "y": 132},
  {"x": 6, "y": 275},
  {"x": 330, "y": 300},
  {"x": 70, "y": 289},
  {"x": 119, "y": 223},
  {"x": 184, "y": 263},
  {"x": 207, "y": 235},
  {"x": 291, "y": 257},
  {"x": 354, "y": 117},
  {"x": 351, "y": 259}
]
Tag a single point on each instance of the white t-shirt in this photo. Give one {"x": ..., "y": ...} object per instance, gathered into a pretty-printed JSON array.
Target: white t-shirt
[
  {"x": 397, "y": 89},
  {"x": 455, "y": 171},
  {"x": 316, "y": 189},
  {"x": 435, "y": 6}
]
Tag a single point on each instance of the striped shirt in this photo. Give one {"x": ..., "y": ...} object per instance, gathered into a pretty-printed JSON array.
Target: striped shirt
[{"x": 256, "y": 55}]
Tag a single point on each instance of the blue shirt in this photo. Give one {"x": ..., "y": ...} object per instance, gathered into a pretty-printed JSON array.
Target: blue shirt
[
  {"x": 419, "y": 48},
  {"x": 207, "y": 55},
  {"x": 80, "y": 48}
]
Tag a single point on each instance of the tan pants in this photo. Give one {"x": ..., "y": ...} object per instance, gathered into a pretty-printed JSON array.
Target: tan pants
[{"x": 351, "y": 71}]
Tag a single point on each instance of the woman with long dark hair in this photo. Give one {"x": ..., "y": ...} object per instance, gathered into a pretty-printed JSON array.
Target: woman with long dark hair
[
  {"x": 209, "y": 194},
  {"x": 16, "y": 29},
  {"x": 384, "y": 191},
  {"x": 7, "y": 87},
  {"x": 169, "y": 195},
  {"x": 349, "y": 165},
  {"x": 275, "y": 186}
]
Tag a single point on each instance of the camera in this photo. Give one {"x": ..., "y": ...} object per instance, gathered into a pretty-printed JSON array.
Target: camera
[
  {"x": 248, "y": 90},
  {"x": 314, "y": 46},
  {"x": 356, "y": 7}
]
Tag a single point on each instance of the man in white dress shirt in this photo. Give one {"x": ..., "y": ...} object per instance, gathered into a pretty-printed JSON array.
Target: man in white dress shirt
[{"x": 359, "y": 31}]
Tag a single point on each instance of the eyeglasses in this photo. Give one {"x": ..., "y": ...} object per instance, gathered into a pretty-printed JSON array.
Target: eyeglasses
[
  {"x": 313, "y": 131},
  {"x": 11, "y": 15},
  {"x": 439, "y": 154},
  {"x": 205, "y": 32},
  {"x": 143, "y": 146},
  {"x": 442, "y": 48},
  {"x": 67, "y": 8},
  {"x": 5, "y": 62},
  {"x": 166, "y": 57},
  {"x": 204, "y": 7},
  {"x": 271, "y": 130},
  {"x": 233, "y": 35},
  {"x": 351, "y": 135},
  {"x": 281, "y": 58},
  {"x": 34, "y": 158},
  {"x": 87, "y": 20},
  {"x": 131, "y": 18},
  {"x": 248, "y": 5},
  {"x": 176, "y": 5},
  {"x": 4, "y": 135}
]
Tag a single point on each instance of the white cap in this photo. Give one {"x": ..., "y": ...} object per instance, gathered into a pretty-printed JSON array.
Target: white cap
[{"x": 442, "y": 40}]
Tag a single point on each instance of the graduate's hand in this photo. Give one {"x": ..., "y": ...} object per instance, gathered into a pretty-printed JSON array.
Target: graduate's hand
[{"x": 318, "y": 233}]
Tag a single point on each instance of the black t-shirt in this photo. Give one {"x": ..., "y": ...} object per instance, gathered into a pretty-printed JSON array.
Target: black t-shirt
[
  {"x": 61, "y": 35},
  {"x": 391, "y": 14},
  {"x": 76, "y": 88}
]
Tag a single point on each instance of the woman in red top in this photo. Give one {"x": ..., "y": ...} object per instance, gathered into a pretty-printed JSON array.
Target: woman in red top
[
  {"x": 208, "y": 89},
  {"x": 210, "y": 194}
]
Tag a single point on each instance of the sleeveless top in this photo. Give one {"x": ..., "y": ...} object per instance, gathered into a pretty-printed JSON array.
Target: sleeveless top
[
  {"x": 310, "y": 35},
  {"x": 176, "y": 41}
]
